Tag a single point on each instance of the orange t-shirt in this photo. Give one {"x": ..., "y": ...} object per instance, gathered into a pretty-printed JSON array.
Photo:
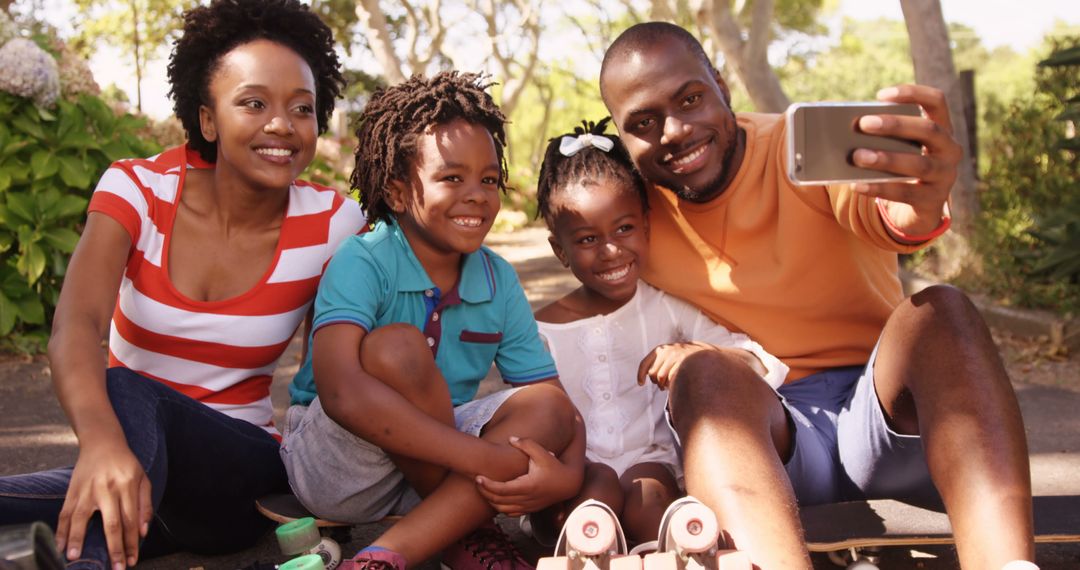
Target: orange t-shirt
[{"x": 808, "y": 272}]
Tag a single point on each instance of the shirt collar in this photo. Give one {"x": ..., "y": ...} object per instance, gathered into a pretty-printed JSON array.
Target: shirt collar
[{"x": 477, "y": 281}]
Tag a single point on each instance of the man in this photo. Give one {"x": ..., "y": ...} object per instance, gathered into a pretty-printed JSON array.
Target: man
[{"x": 888, "y": 397}]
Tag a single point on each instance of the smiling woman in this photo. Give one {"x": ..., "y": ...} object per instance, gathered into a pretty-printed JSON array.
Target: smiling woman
[{"x": 201, "y": 262}]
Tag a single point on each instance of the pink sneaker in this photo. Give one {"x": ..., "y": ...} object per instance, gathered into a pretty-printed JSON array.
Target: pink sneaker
[
  {"x": 486, "y": 548},
  {"x": 374, "y": 559}
]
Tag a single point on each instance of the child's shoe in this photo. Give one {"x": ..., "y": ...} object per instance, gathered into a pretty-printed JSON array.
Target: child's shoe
[
  {"x": 591, "y": 539},
  {"x": 690, "y": 540},
  {"x": 543, "y": 533},
  {"x": 486, "y": 548},
  {"x": 374, "y": 558}
]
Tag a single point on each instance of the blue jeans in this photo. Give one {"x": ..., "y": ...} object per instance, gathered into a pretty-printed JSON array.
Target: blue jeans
[{"x": 205, "y": 468}]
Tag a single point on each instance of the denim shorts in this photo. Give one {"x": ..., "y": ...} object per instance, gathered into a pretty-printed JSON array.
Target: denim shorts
[
  {"x": 341, "y": 477},
  {"x": 844, "y": 447}
]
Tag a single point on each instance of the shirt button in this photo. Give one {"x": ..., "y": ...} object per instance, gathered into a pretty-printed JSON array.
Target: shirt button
[
  {"x": 430, "y": 341},
  {"x": 603, "y": 358},
  {"x": 435, "y": 317},
  {"x": 607, "y": 395},
  {"x": 611, "y": 430},
  {"x": 597, "y": 331},
  {"x": 429, "y": 293}
]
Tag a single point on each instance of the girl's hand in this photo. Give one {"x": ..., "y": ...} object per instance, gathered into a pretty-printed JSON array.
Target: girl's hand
[
  {"x": 661, "y": 365},
  {"x": 110, "y": 480},
  {"x": 547, "y": 482}
]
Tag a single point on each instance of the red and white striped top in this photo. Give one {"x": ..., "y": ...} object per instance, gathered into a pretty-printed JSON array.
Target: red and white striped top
[{"x": 222, "y": 353}]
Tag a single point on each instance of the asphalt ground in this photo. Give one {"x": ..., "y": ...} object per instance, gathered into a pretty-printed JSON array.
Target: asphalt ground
[{"x": 34, "y": 434}]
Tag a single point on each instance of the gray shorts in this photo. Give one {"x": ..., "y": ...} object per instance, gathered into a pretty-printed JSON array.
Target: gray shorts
[
  {"x": 343, "y": 478},
  {"x": 844, "y": 448}
]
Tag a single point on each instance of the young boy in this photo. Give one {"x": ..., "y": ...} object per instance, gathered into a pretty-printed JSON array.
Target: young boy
[{"x": 408, "y": 320}]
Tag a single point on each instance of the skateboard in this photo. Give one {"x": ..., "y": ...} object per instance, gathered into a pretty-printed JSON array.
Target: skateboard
[
  {"x": 689, "y": 539},
  {"x": 28, "y": 547},
  {"x": 299, "y": 533},
  {"x": 852, "y": 532}
]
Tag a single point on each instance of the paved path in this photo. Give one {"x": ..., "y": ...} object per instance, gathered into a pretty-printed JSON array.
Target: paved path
[{"x": 34, "y": 433}]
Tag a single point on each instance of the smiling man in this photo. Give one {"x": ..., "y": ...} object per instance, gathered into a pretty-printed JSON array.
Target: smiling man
[{"x": 887, "y": 396}]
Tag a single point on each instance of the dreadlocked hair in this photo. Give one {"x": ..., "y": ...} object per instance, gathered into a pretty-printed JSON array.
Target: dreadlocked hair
[
  {"x": 396, "y": 117},
  {"x": 212, "y": 31},
  {"x": 589, "y": 166}
]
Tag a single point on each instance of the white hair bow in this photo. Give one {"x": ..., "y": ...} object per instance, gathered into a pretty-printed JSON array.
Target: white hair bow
[{"x": 569, "y": 146}]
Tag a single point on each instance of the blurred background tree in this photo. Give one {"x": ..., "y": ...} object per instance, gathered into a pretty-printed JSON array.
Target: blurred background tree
[{"x": 545, "y": 56}]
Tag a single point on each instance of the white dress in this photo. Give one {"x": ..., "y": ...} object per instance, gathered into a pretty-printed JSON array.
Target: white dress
[{"x": 598, "y": 359}]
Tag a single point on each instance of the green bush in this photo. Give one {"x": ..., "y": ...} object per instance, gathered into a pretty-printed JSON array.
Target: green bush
[
  {"x": 1030, "y": 222},
  {"x": 50, "y": 162}
]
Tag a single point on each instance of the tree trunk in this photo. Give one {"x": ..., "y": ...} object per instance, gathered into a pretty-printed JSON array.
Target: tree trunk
[
  {"x": 748, "y": 58},
  {"x": 374, "y": 23},
  {"x": 932, "y": 56},
  {"x": 138, "y": 55}
]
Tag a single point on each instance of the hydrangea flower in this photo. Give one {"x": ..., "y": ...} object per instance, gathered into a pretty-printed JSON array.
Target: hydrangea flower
[
  {"x": 75, "y": 74},
  {"x": 29, "y": 71}
]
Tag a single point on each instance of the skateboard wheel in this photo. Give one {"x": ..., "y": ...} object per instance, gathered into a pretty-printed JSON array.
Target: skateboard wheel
[
  {"x": 298, "y": 536},
  {"x": 694, "y": 528},
  {"x": 590, "y": 531},
  {"x": 306, "y": 562}
]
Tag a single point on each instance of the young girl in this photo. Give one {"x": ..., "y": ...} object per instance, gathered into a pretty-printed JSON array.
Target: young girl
[
  {"x": 408, "y": 320},
  {"x": 201, "y": 263},
  {"x": 617, "y": 341}
]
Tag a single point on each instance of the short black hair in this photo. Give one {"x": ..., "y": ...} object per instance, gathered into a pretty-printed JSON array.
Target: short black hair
[
  {"x": 212, "y": 31},
  {"x": 396, "y": 117},
  {"x": 640, "y": 37},
  {"x": 586, "y": 167}
]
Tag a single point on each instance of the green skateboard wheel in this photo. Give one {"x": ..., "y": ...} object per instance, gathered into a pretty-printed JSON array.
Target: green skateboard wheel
[
  {"x": 298, "y": 536},
  {"x": 306, "y": 562}
]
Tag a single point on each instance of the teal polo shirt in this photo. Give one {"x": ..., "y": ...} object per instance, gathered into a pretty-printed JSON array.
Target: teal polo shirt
[{"x": 375, "y": 279}]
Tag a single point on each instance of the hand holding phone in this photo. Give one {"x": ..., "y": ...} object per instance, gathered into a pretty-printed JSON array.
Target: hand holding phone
[{"x": 822, "y": 137}]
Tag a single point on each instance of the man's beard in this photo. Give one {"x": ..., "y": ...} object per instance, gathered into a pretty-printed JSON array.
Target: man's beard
[{"x": 712, "y": 188}]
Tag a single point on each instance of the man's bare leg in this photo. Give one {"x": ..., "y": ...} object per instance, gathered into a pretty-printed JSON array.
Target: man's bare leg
[
  {"x": 938, "y": 373},
  {"x": 733, "y": 432}
]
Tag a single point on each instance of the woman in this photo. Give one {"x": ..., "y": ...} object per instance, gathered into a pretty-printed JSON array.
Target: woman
[{"x": 205, "y": 260}]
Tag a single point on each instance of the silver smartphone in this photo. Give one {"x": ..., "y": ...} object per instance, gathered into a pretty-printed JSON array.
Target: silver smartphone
[{"x": 822, "y": 137}]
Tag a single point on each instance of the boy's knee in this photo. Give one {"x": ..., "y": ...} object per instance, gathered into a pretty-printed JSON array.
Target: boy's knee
[
  {"x": 550, "y": 410},
  {"x": 396, "y": 348}
]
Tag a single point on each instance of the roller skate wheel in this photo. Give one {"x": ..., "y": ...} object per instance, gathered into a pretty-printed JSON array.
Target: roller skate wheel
[
  {"x": 660, "y": 561},
  {"x": 590, "y": 531},
  {"x": 733, "y": 560},
  {"x": 693, "y": 528},
  {"x": 553, "y": 563},
  {"x": 625, "y": 563}
]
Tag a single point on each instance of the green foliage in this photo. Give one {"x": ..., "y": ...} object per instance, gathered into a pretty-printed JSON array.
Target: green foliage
[
  {"x": 1030, "y": 226},
  {"x": 49, "y": 164},
  {"x": 869, "y": 56},
  {"x": 555, "y": 101}
]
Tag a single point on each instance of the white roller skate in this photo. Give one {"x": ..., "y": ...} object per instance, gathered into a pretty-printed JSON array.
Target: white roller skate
[
  {"x": 591, "y": 539},
  {"x": 689, "y": 539}
]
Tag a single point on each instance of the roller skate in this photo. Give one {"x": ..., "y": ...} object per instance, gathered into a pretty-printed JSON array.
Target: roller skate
[
  {"x": 591, "y": 539},
  {"x": 690, "y": 540}
]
